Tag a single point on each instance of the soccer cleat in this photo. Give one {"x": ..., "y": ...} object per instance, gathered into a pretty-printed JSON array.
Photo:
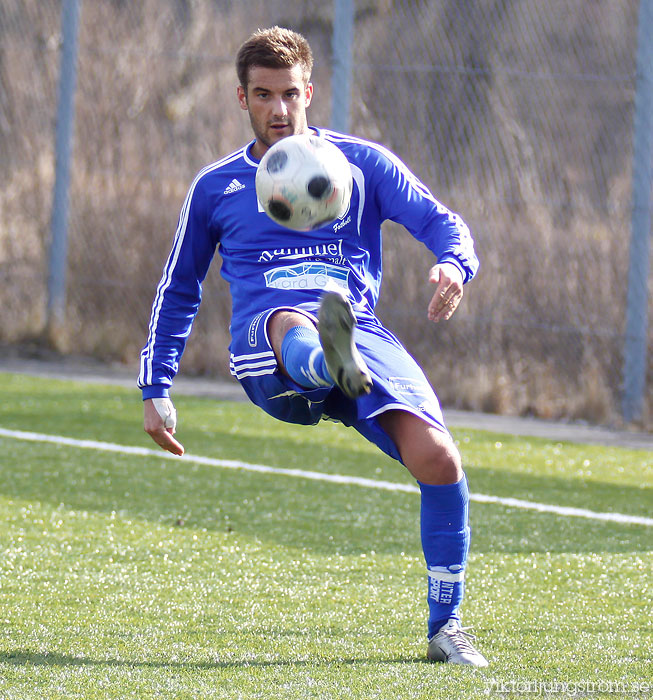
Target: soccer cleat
[
  {"x": 336, "y": 323},
  {"x": 453, "y": 645}
]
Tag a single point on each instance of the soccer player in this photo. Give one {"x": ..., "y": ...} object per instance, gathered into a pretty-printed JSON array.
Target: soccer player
[{"x": 305, "y": 342}]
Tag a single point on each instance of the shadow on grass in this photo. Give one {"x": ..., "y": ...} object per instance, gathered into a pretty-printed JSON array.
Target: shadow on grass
[{"x": 21, "y": 657}]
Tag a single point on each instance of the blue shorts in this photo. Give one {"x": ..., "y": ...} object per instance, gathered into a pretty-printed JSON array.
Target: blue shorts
[{"x": 398, "y": 382}]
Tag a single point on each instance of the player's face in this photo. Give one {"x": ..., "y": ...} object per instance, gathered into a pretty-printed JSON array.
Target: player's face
[{"x": 276, "y": 99}]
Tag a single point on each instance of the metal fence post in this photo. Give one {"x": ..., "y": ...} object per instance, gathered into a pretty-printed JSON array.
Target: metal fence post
[
  {"x": 63, "y": 150},
  {"x": 634, "y": 370},
  {"x": 341, "y": 45}
]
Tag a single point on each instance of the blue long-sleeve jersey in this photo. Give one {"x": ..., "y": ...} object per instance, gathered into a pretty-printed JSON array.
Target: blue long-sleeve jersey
[{"x": 267, "y": 265}]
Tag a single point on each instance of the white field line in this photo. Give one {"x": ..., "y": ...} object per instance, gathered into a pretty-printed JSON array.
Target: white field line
[{"x": 319, "y": 476}]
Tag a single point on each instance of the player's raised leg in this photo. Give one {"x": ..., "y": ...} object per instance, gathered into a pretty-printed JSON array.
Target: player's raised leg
[
  {"x": 324, "y": 356},
  {"x": 296, "y": 344}
]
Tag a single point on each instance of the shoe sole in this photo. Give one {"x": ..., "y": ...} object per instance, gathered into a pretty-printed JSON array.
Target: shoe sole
[{"x": 336, "y": 323}]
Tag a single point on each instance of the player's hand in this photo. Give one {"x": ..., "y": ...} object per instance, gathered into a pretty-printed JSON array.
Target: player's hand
[
  {"x": 160, "y": 423},
  {"x": 448, "y": 281}
]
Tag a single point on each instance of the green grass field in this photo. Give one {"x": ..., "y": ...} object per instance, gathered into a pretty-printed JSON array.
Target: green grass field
[{"x": 134, "y": 576}]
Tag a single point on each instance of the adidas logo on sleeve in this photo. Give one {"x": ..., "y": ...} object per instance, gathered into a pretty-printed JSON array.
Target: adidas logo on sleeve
[{"x": 234, "y": 186}]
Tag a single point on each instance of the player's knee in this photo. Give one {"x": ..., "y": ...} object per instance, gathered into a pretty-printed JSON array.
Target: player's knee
[
  {"x": 430, "y": 455},
  {"x": 441, "y": 464},
  {"x": 280, "y": 322}
]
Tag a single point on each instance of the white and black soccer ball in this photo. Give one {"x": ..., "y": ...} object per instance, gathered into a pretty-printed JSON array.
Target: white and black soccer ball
[{"x": 304, "y": 182}]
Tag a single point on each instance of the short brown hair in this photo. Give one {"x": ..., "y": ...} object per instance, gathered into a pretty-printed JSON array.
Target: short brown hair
[{"x": 276, "y": 47}]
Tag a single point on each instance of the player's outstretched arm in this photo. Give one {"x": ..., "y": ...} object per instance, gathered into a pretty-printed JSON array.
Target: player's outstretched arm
[
  {"x": 160, "y": 422},
  {"x": 448, "y": 281}
]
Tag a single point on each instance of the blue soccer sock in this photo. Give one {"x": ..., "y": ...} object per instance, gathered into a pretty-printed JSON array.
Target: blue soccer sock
[
  {"x": 445, "y": 541},
  {"x": 303, "y": 358}
]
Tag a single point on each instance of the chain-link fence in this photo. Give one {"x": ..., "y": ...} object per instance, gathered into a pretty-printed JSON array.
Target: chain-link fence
[{"x": 517, "y": 113}]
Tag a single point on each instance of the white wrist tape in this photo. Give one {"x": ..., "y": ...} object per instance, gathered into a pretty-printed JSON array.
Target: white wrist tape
[{"x": 166, "y": 409}]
